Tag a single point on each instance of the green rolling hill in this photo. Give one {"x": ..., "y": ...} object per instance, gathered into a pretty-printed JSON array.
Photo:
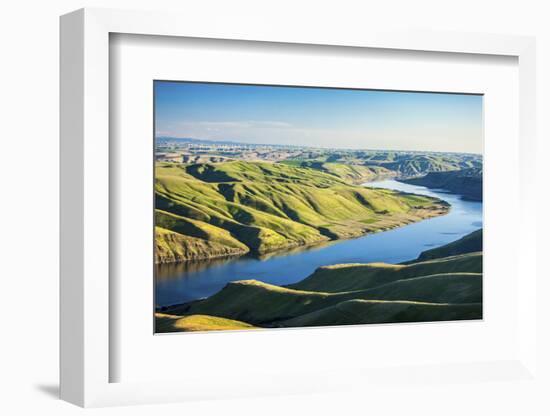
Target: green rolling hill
[
  {"x": 172, "y": 323},
  {"x": 350, "y": 172},
  {"x": 389, "y": 163},
  {"x": 469, "y": 243},
  {"x": 419, "y": 164},
  {"x": 174, "y": 246},
  {"x": 466, "y": 182},
  {"x": 447, "y": 288},
  {"x": 352, "y": 277},
  {"x": 213, "y": 210},
  {"x": 259, "y": 303},
  {"x": 354, "y": 312}
]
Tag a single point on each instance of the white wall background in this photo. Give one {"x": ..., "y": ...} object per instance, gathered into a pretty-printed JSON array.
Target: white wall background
[{"x": 29, "y": 56}]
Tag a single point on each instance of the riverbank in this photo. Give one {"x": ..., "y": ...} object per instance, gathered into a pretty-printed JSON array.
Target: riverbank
[
  {"x": 467, "y": 182},
  {"x": 182, "y": 282},
  {"x": 173, "y": 248},
  {"x": 447, "y": 288},
  {"x": 233, "y": 208}
]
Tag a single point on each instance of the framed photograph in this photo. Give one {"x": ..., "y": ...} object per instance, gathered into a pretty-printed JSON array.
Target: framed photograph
[
  {"x": 262, "y": 211},
  {"x": 253, "y": 230}
]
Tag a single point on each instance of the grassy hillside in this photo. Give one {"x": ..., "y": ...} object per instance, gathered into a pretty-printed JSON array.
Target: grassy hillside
[
  {"x": 400, "y": 164},
  {"x": 263, "y": 304},
  {"x": 350, "y": 277},
  {"x": 467, "y": 182},
  {"x": 352, "y": 173},
  {"x": 354, "y": 312},
  {"x": 171, "y": 323},
  {"x": 210, "y": 210},
  {"x": 173, "y": 246},
  {"x": 443, "y": 289},
  {"x": 419, "y": 164},
  {"x": 472, "y": 242}
]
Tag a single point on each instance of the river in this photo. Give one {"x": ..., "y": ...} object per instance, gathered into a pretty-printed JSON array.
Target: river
[{"x": 183, "y": 282}]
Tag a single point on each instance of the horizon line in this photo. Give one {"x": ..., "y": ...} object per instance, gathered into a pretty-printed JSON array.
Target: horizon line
[{"x": 235, "y": 141}]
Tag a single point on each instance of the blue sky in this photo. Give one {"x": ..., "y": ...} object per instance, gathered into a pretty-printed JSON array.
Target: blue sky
[{"x": 322, "y": 117}]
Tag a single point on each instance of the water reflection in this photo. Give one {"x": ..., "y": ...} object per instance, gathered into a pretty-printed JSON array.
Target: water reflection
[
  {"x": 189, "y": 268},
  {"x": 173, "y": 270}
]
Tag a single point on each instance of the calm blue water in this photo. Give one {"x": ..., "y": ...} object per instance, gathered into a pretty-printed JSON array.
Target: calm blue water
[{"x": 188, "y": 281}]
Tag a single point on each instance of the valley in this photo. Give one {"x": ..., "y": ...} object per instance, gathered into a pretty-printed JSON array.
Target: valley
[
  {"x": 442, "y": 288},
  {"x": 251, "y": 237},
  {"x": 282, "y": 206},
  {"x": 231, "y": 208}
]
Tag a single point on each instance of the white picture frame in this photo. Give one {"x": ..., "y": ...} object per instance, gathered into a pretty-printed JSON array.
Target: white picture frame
[{"x": 85, "y": 201}]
